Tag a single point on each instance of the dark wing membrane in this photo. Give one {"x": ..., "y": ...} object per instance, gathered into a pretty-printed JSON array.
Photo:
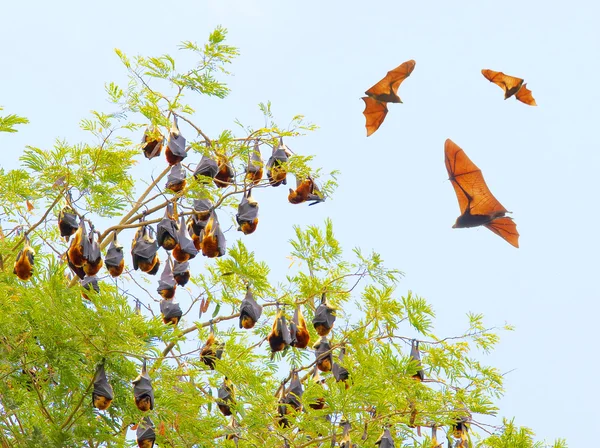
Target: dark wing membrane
[
  {"x": 507, "y": 83},
  {"x": 506, "y": 228},
  {"x": 469, "y": 184},
  {"x": 524, "y": 95},
  {"x": 375, "y": 112}
]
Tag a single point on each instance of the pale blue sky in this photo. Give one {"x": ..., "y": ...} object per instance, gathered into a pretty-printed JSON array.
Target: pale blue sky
[{"x": 317, "y": 59}]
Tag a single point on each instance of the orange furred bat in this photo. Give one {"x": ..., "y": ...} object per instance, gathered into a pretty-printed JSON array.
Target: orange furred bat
[
  {"x": 75, "y": 252},
  {"x": 305, "y": 191},
  {"x": 385, "y": 91},
  {"x": 211, "y": 351},
  {"x": 24, "y": 263},
  {"x": 477, "y": 204},
  {"x": 225, "y": 175},
  {"x": 511, "y": 86}
]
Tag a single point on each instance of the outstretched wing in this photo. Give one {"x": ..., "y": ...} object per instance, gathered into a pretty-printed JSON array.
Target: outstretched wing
[
  {"x": 509, "y": 84},
  {"x": 506, "y": 228},
  {"x": 387, "y": 89},
  {"x": 375, "y": 112},
  {"x": 470, "y": 187},
  {"x": 524, "y": 95}
]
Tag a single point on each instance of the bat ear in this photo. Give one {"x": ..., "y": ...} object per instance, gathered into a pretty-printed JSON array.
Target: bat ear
[{"x": 291, "y": 191}]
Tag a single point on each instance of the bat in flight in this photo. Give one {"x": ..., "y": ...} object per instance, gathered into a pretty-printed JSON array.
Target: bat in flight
[
  {"x": 511, "y": 86},
  {"x": 385, "y": 91},
  {"x": 478, "y": 206}
]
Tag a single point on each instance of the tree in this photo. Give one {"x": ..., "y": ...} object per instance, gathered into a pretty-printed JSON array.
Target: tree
[{"x": 54, "y": 332}]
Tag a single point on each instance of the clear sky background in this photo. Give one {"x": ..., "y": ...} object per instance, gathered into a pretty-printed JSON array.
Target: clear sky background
[{"x": 317, "y": 59}]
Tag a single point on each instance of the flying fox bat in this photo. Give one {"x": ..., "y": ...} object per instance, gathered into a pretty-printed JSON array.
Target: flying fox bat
[
  {"x": 175, "y": 151},
  {"x": 102, "y": 396},
  {"x": 385, "y": 91},
  {"x": 23, "y": 267},
  {"x": 247, "y": 215},
  {"x": 143, "y": 392},
  {"x": 152, "y": 142},
  {"x": 114, "y": 260},
  {"x": 254, "y": 169},
  {"x": 250, "y": 311},
  {"x": 511, "y": 86},
  {"x": 298, "y": 331},
  {"x": 478, "y": 206}
]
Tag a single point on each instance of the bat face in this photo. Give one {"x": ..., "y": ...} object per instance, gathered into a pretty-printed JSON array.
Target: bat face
[
  {"x": 477, "y": 204},
  {"x": 511, "y": 86},
  {"x": 146, "y": 443},
  {"x": 101, "y": 403},
  {"x": 143, "y": 403},
  {"x": 386, "y": 90},
  {"x": 117, "y": 270}
]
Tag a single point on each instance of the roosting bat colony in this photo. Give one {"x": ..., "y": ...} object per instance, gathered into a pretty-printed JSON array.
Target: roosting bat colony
[{"x": 186, "y": 235}]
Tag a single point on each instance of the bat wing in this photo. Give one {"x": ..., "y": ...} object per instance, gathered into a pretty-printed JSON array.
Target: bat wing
[
  {"x": 387, "y": 88},
  {"x": 524, "y": 95},
  {"x": 471, "y": 190},
  {"x": 375, "y": 112},
  {"x": 509, "y": 84},
  {"x": 506, "y": 228}
]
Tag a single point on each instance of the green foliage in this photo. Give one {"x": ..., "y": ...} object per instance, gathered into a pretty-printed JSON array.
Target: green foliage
[
  {"x": 8, "y": 122},
  {"x": 52, "y": 339}
]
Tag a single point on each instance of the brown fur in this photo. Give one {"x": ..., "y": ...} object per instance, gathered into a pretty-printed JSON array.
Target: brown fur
[
  {"x": 249, "y": 227},
  {"x": 277, "y": 176},
  {"x": 224, "y": 177},
  {"x": 143, "y": 403},
  {"x": 115, "y": 271},
  {"x": 150, "y": 145},
  {"x": 210, "y": 246},
  {"x": 248, "y": 322},
  {"x": 168, "y": 293},
  {"x": 150, "y": 267},
  {"x": 322, "y": 330},
  {"x": 171, "y": 320},
  {"x": 24, "y": 264},
  {"x": 172, "y": 159},
  {"x": 324, "y": 364},
  {"x": 303, "y": 191},
  {"x": 179, "y": 254},
  {"x": 75, "y": 252},
  {"x": 178, "y": 186},
  {"x": 66, "y": 230},
  {"x": 302, "y": 334},
  {"x": 169, "y": 243},
  {"x": 101, "y": 402},
  {"x": 92, "y": 268},
  {"x": 182, "y": 279},
  {"x": 255, "y": 177},
  {"x": 146, "y": 443}
]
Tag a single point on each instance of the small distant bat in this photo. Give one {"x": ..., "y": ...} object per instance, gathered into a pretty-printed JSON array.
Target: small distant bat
[
  {"x": 306, "y": 190},
  {"x": 385, "y": 439},
  {"x": 102, "y": 395},
  {"x": 181, "y": 272},
  {"x": 225, "y": 175},
  {"x": 176, "y": 178},
  {"x": 276, "y": 173},
  {"x": 152, "y": 142},
  {"x": 207, "y": 167},
  {"x": 385, "y": 91},
  {"x": 166, "y": 230},
  {"x": 250, "y": 311},
  {"x": 114, "y": 259},
  {"x": 213, "y": 240},
  {"x": 175, "y": 151},
  {"x": 211, "y": 351},
  {"x": 145, "y": 434},
  {"x": 171, "y": 311},
  {"x": 23, "y": 267},
  {"x": 143, "y": 392},
  {"x": 478, "y": 206},
  {"x": 324, "y": 317},
  {"x": 67, "y": 222},
  {"x": 323, "y": 355},
  {"x": 226, "y": 397},
  {"x": 185, "y": 249},
  {"x": 247, "y": 215},
  {"x": 167, "y": 284},
  {"x": 298, "y": 331},
  {"x": 279, "y": 338},
  {"x": 144, "y": 251},
  {"x": 511, "y": 86},
  {"x": 254, "y": 169}
]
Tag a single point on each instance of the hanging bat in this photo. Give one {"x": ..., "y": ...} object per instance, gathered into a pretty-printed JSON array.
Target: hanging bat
[
  {"x": 185, "y": 249},
  {"x": 89, "y": 283},
  {"x": 298, "y": 332},
  {"x": 323, "y": 355},
  {"x": 175, "y": 151},
  {"x": 276, "y": 173},
  {"x": 213, "y": 240},
  {"x": 233, "y": 431},
  {"x": 305, "y": 191},
  {"x": 279, "y": 338},
  {"x": 102, "y": 395},
  {"x": 166, "y": 284},
  {"x": 340, "y": 373},
  {"x": 211, "y": 351},
  {"x": 92, "y": 254},
  {"x": 324, "y": 317},
  {"x": 145, "y": 435},
  {"x": 143, "y": 392},
  {"x": 511, "y": 86},
  {"x": 434, "y": 442},
  {"x": 152, "y": 142},
  {"x": 385, "y": 439},
  {"x": 67, "y": 222},
  {"x": 77, "y": 270},
  {"x": 176, "y": 178},
  {"x": 166, "y": 230},
  {"x": 171, "y": 312},
  {"x": 385, "y": 91},
  {"x": 346, "y": 442},
  {"x": 294, "y": 394},
  {"x": 114, "y": 260},
  {"x": 226, "y": 397},
  {"x": 207, "y": 167},
  {"x": 460, "y": 430},
  {"x": 75, "y": 252},
  {"x": 181, "y": 272},
  {"x": 23, "y": 267},
  {"x": 477, "y": 204},
  {"x": 283, "y": 409},
  {"x": 254, "y": 169},
  {"x": 144, "y": 251},
  {"x": 415, "y": 358},
  {"x": 319, "y": 403},
  {"x": 247, "y": 215},
  {"x": 225, "y": 175},
  {"x": 250, "y": 311}
]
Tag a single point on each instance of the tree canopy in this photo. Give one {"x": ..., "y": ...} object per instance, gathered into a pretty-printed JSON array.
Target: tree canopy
[{"x": 374, "y": 366}]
